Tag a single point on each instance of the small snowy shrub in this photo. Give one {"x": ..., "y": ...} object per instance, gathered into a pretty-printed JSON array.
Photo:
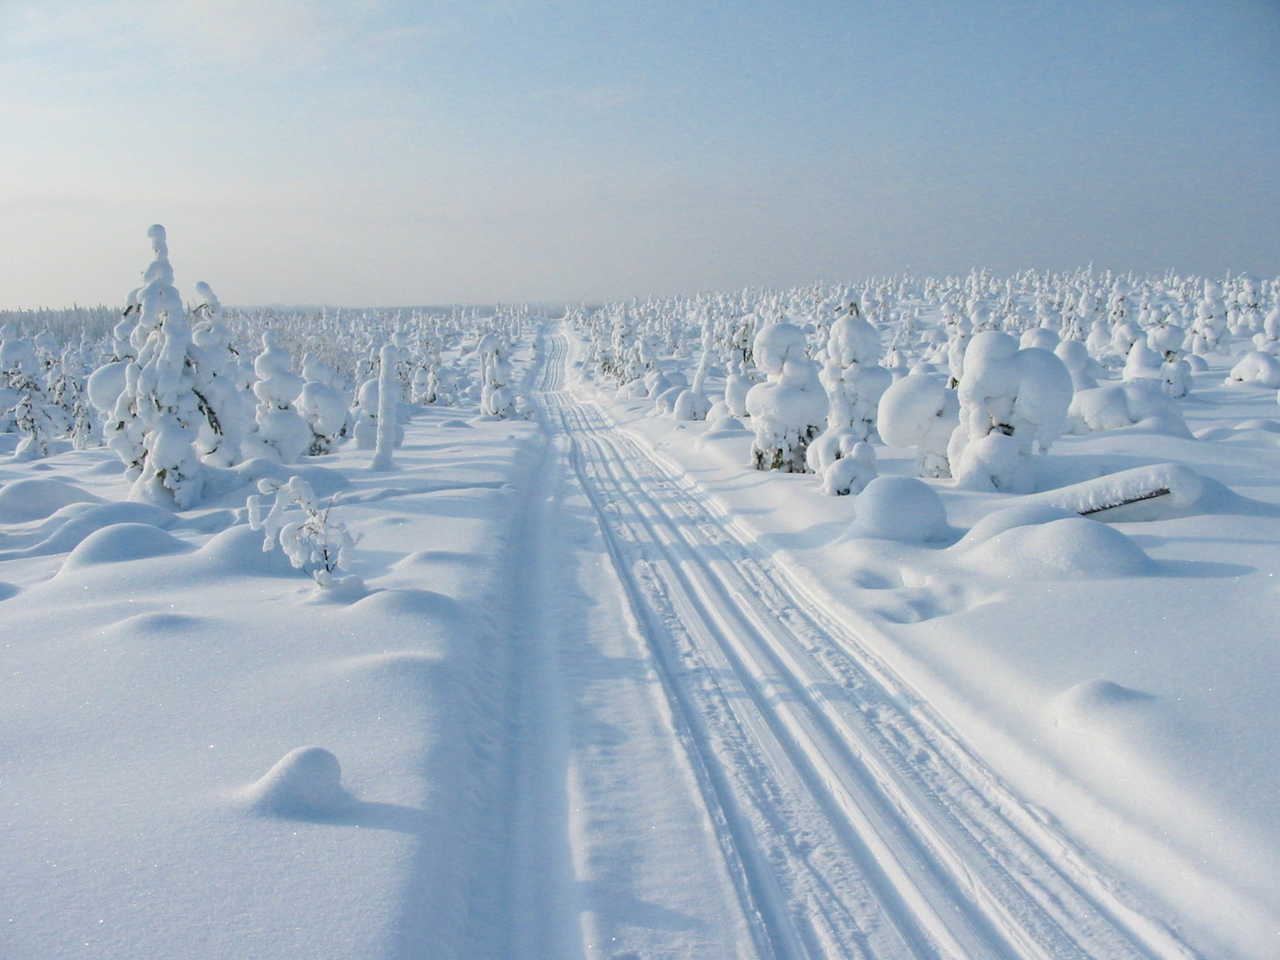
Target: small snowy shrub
[
  {"x": 312, "y": 540},
  {"x": 1116, "y": 406},
  {"x": 1256, "y": 367},
  {"x": 851, "y": 472}
]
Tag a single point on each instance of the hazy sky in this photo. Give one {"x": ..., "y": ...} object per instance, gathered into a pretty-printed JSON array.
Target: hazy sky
[{"x": 388, "y": 152}]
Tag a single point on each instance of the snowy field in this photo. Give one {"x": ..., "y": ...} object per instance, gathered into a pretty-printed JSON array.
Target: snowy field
[{"x": 923, "y": 617}]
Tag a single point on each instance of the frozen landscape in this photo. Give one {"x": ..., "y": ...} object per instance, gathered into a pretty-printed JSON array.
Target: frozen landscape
[
  {"x": 923, "y": 616},
  {"x": 509, "y": 480}
]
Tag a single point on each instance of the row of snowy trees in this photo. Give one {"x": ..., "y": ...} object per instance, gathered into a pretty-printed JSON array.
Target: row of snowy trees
[
  {"x": 980, "y": 374},
  {"x": 176, "y": 390}
]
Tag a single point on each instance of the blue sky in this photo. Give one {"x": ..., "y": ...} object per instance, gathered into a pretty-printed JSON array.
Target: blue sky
[{"x": 371, "y": 152}]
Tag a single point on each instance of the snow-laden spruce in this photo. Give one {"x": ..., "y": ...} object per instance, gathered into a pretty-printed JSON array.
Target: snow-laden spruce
[
  {"x": 854, "y": 381},
  {"x": 389, "y": 431},
  {"x": 156, "y": 419},
  {"x": 496, "y": 398},
  {"x": 226, "y": 408},
  {"x": 281, "y": 434},
  {"x": 787, "y": 411},
  {"x": 1013, "y": 403},
  {"x": 920, "y": 412}
]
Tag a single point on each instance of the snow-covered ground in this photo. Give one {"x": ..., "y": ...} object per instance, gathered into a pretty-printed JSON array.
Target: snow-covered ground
[
  {"x": 610, "y": 693},
  {"x": 1119, "y": 677}
]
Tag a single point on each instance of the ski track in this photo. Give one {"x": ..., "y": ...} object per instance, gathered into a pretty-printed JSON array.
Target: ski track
[{"x": 851, "y": 821}]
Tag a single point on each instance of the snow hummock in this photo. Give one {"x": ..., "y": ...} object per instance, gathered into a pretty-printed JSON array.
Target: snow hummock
[
  {"x": 1096, "y": 705},
  {"x": 121, "y": 542},
  {"x": 899, "y": 508},
  {"x": 34, "y": 498},
  {"x": 305, "y": 782},
  {"x": 1071, "y": 548}
]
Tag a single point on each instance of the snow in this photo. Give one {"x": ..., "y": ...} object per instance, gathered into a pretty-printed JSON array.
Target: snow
[
  {"x": 899, "y": 508},
  {"x": 587, "y": 684},
  {"x": 305, "y": 782},
  {"x": 34, "y": 498},
  {"x": 1071, "y": 548},
  {"x": 1089, "y": 657}
]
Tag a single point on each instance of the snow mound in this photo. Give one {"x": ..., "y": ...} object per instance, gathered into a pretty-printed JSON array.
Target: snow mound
[
  {"x": 121, "y": 542},
  {"x": 1097, "y": 706},
  {"x": 68, "y": 527},
  {"x": 899, "y": 508},
  {"x": 455, "y": 424},
  {"x": 725, "y": 426},
  {"x": 997, "y": 522},
  {"x": 305, "y": 782},
  {"x": 35, "y": 498},
  {"x": 7, "y": 590},
  {"x": 1142, "y": 493},
  {"x": 238, "y": 551},
  {"x": 1072, "y": 548},
  {"x": 408, "y": 604}
]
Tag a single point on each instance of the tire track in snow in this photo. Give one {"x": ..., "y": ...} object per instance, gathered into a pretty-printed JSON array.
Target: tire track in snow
[{"x": 953, "y": 864}]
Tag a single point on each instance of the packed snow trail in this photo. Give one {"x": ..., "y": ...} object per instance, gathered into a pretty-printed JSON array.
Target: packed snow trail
[{"x": 848, "y": 821}]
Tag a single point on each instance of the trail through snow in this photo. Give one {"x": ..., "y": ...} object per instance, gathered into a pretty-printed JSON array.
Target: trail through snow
[{"x": 707, "y": 763}]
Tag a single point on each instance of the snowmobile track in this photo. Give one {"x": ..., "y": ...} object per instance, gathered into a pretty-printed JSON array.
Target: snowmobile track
[{"x": 854, "y": 822}]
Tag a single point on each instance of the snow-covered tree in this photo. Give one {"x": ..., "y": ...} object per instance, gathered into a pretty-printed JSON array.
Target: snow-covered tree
[
  {"x": 281, "y": 433},
  {"x": 154, "y": 422},
  {"x": 920, "y": 412},
  {"x": 215, "y": 361},
  {"x": 1012, "y": 403},
  {"x": 787, "y": 410},
  {"x": 496, "y": 398},
  {"x": 850, "y": 474},
  {"x": 389, "y": 432}
]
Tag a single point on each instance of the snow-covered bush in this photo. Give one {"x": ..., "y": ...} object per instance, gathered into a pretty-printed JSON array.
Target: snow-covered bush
[
  {"x": 313, "y": 540},
  {"x": 787, "y": 410},
  {"x": 1116, "y": 406},
  {"x": 1020, "y": 394},
  {"x": 919, "y": 411},
  {"x": 325, "y": 411},
  {"x": 1256, "y": 367},
  {"x": 851, "y": 472},
  {"x": 496, "y": 398},
  {"x": 1142, "y": 363},
  {"x": 1082, "y": 367},
  {"x": 692, "y": 404}
]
